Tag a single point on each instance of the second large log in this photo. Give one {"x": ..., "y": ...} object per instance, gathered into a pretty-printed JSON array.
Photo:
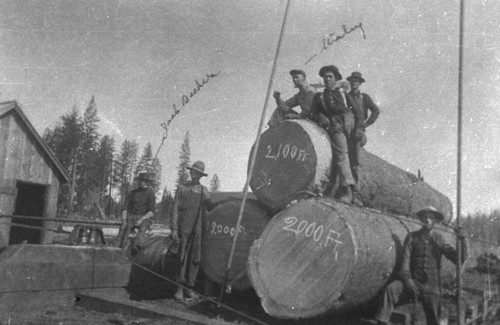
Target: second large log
[
  {"x": 296, "y": 157},
  {"x": 319, "y": 256}
]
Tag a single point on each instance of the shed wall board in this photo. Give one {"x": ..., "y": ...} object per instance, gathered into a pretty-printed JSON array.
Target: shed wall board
[{"x": 23, "y": 159}]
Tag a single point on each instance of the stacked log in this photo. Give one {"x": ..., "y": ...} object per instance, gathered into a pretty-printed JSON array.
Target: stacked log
[
  {"x": 319, "y": 256},
  {"x": 295, "y": 157},
  {"x": 218, "y": 236}
]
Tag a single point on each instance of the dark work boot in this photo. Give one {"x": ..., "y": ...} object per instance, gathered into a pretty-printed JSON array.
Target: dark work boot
[
  {"x": 356, "y": 198},
  {"x": 346, "y": 196}
]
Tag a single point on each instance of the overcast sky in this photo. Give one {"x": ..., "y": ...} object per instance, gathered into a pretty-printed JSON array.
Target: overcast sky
[{"x": 139, "y": 57}]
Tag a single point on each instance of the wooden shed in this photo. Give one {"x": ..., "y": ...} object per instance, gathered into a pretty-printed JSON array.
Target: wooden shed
[{"x": 30, "y": 178}]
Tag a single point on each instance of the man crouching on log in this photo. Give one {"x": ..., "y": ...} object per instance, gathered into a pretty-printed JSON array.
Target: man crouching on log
[
  {"x": 137, "y": 212},
  {"x": 190, "y": 204},
  {"x": 420, "y": 269},
  {"x": 336, "y": 112}
]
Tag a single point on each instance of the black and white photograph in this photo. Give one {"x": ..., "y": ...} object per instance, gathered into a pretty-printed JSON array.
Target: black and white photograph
[{"x": 250, "y": 162}]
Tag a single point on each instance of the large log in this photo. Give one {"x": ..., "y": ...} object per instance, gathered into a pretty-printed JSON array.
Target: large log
[
  {"x": 296, "y": 157},
  {"x": 218, "y": 239},
  {"x": 319, "y": 256},
  {"x": 292, "y": 157}
]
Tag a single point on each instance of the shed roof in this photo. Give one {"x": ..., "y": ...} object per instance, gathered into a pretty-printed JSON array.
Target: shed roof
[{"x": 11, "y": 107}]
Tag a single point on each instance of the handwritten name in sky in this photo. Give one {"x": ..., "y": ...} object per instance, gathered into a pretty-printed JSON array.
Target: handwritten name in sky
[
  {"x": 186, "y": 98},
  {"x": 332, "y": 38}
]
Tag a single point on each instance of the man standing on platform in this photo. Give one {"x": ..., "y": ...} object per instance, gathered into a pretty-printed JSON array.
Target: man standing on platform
[
  {"x": 336, "y": 112},
  {"x": 190, "y": 204},
  {"x": 366, "y": 104},
  {"x": 303, "y": 99},
  {"x": 420, "y": 269},
  {"x": 137, "y": 212}
]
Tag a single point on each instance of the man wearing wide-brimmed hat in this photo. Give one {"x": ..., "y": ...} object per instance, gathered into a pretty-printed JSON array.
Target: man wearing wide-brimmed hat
[
  {"x": 420, "y": 277},
  {"x": 367, "y": 105},
  {"x": 190, "y": 204},
  {"x": 341, "y": 117},
  {"x": 303, "y": 99},
  {"x": 138, "y": 209}
]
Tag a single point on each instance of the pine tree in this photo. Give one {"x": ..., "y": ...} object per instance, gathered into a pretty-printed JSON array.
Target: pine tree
[
  {"x": 184, "y": 157},
  {"x": 66, "y": 143},
  {"x": 125, "y": 165},
  {"x": 103, "y": 172},
  {"x": 150, "y": 165},
  {"x": 215, "y": 184},
  {"x": 165, "y": 207}
]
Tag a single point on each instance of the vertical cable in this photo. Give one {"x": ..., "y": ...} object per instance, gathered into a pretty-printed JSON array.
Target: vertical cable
[
  {"x": 254, "y": 154},
  {"x": 459, "y": 162}
]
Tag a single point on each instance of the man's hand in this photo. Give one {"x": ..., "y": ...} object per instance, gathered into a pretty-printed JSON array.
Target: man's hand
[
  {"x": 175, "y": 236},
  {"x": 359, "y": 134},
  {"x": 277, "y": 95},
  {"x": 411, "y": 286},
  {"x": 459, "y": 232}
]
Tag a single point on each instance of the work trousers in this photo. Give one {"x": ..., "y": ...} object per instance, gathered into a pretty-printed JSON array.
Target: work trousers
[
  {"x": 354, "y": 154},
  {"x": 342, "y": 133},
  {"x": 395, "y": 294},
  {"x": 190, "y": 256}
]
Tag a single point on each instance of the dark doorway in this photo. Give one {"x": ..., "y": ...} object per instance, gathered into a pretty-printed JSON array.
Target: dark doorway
[{"x": 30, "y": 201}]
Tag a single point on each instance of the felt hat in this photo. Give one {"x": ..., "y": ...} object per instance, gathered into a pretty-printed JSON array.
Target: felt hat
[
  {"x": 198, "y": 166},
  {"x": 439, "y": 216},
  {"x": 330, "y": 68},
  {"x": 297, "y": 71},
  {"x": 145, "y": 176},
  {"x": 355, "y": 76}
]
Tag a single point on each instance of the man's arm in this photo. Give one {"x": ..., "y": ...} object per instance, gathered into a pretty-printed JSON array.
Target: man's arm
[
  {"x": 373, "y": 108},
  {"x": 405, "y": 272},
  {"x": 308, "y": 101},
  {"x": 449, "y": 251},
  {"x": 358, "y": 117},
  {"x": 316, "y": 112},
  {"x": 174, "y": 226}
]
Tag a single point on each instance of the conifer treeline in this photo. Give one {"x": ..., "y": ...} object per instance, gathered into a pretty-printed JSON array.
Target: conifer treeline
[{"x": 100, "y": 175}]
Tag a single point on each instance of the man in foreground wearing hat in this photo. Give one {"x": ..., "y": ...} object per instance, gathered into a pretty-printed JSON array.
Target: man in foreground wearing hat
[
  {"x": 138, "y": 210},
  {"x": 303, "y": 99},
  {"x": 341, "y": 117},
  {"x": 420, "y": 269},
  {"x": 365, "y": 103},
  {"x": 190, "y": 204}
]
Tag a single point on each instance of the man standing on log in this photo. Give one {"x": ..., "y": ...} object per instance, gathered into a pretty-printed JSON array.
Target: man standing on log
[
  {"x": 336, "y": 112},
  {"x": 420, "y": 269},
  {"x": 303, "y": 99},
  {"x": 137, "y": 212},
  {"x": 366, "y": 104},
  {"x": 190, "y": 204}
]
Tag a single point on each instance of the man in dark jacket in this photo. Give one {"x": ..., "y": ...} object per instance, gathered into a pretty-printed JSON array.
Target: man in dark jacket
[
  {"x": 190, "y": 204},
  {"x": 138, "y": 210},
  {"x": 366, "y": 104},
  {"x": 420, "y": 269},
  {"x": 336, "y": 112}
]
